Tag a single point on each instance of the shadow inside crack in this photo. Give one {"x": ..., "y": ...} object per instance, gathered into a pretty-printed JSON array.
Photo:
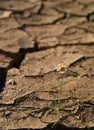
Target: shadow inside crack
[
  {"x": 20, "y": 56},
  {"x": 57, "y": 127},
  {"x": 3, "y": 73},
  {"x": 17, "y": 58}
]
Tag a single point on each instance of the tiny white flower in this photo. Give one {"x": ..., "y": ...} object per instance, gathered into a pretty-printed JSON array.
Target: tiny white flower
[{"x": 61, "y": 68}]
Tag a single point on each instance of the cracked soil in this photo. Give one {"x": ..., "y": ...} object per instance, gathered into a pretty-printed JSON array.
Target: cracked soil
[{"x": 35, "y": 36}]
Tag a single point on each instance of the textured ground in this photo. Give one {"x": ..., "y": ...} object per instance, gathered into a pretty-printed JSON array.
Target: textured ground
[{"x": 35, "y": 36}]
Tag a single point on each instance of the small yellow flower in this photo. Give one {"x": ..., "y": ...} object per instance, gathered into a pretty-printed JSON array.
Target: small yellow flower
[{"x": 61, "y": 68}]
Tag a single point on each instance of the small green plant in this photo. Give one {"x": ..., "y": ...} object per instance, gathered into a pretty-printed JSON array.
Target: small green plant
[{"x": 56, "y": 94}]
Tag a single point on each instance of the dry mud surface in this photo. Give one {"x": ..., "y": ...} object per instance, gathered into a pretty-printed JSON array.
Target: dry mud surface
[{"x": 35, "y": 36}]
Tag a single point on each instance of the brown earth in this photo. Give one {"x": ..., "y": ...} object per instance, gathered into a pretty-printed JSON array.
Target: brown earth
[{"x": 35, "y": 36}]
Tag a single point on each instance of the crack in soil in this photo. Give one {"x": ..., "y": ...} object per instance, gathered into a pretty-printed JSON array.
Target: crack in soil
[
  {"x": 73, "y": 108},
  {"x": 17, "y": 59},
  {"x": 57, "y": 127},
  {"x": 3, "y": 73}
]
